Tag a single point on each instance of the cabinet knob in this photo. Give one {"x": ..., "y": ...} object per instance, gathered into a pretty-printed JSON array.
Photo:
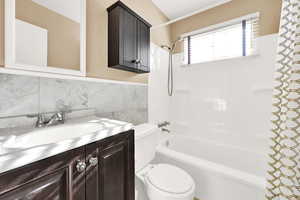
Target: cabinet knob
[
  {"x": 80, "y": 166},
  {"x": 93, "y": 161}
]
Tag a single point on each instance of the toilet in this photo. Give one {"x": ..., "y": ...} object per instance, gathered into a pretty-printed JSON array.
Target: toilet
[{"x": 161, "y": 181}]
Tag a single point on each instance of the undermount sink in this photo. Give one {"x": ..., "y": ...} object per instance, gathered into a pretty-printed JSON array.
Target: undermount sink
[{"x": 52, "y": 135}]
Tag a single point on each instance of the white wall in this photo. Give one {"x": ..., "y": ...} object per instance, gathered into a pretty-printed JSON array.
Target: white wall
[
  {"x": 35, "y": 37},
  {"x": 228, "y": 101},
  {"x": 158, "y": 83}
]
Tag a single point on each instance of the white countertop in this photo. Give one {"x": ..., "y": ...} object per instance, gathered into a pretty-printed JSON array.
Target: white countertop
[{"x": 12, "y": 158}]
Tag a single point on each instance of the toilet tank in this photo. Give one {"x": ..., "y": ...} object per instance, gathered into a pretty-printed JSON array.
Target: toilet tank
[{"x": 146, "y": 140}]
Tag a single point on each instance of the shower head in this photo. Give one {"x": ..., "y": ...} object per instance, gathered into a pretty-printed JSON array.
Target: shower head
[
  {"x": 166, "y": 47},
  {"x": 173, "y": 45}
]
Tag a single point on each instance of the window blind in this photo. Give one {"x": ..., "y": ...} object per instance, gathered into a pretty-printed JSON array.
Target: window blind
[{"x": 234, "y": 40}]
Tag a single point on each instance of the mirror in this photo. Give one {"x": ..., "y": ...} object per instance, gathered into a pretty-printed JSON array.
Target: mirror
[{"x": 45, "y": 36}]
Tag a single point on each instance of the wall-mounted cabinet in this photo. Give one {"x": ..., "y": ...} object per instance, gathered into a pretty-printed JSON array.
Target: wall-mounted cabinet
[{"x": 128, "y": 39}]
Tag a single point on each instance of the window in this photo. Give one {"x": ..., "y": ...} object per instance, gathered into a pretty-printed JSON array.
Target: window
[{"x": 235, "y": 38}]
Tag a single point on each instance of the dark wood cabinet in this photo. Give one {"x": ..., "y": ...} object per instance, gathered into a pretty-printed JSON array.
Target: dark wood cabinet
[
  {"x": 113, "y": 177},
  {"x": 103, "y": 170},
  {"x": 144, "y": 46},
  {"x": 52, "y": 178},
  {"x": 128, "y": 39}
]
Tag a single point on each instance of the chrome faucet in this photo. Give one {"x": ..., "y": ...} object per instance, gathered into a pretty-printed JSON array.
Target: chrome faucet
[
  {"x": 57, "y": 118},
  {"x": 163, "y": 126}
]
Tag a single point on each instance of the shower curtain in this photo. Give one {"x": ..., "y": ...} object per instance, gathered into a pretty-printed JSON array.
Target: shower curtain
[{"x": 283, "y": 179}]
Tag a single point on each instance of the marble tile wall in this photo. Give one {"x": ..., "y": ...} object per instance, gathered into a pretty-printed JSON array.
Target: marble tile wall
[{"x": 22, "y": 95}]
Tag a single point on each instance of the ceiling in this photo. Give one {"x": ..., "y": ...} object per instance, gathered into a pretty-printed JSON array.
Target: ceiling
[
  {"x": 68, "y": 8},
  {"x": 179, "y": 8}
]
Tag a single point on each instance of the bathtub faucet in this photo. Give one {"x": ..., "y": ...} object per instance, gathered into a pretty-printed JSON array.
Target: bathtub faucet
[{"x": 163, "y": 124}]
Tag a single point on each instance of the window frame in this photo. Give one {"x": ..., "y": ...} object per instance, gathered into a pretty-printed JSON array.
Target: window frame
[{"x": 243, "y": 20}]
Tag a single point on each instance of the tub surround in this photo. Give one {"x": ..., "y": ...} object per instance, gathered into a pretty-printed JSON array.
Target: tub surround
[
  {"x": 225, "y": 113},
  {"x": 22, "y": 95},
  {"x": 232, "y": 107},
  {"x": 12, "y": 157}
]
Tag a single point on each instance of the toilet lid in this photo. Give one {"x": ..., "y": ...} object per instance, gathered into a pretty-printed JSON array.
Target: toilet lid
[{"x": 170, "y": 179}]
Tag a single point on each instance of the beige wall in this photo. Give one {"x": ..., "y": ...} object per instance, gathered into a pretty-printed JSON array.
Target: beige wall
[
  {"x": 97, "y": 28},
  {"x": 63, "y": 33},
  {"x": 97, "y": 37},
  {"x": 269, "y": 16}
]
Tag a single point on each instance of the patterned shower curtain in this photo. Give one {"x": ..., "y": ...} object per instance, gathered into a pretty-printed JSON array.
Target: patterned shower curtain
[{"x": 283, "y": 179}]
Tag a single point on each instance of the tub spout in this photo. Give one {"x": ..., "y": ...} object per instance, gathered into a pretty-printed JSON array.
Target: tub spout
[{"x": 165, "y": 130}]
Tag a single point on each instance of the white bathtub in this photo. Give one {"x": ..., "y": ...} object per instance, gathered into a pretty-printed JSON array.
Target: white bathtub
[{"x": 221, "y": 172}]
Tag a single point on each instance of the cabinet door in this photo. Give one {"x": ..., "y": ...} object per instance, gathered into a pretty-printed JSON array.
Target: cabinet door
[
  {"x": 92, "y": 172},
  {"x": 113, "y": 177},
  {"x": 128, "y": 40},
  {"x": 113, "y": 172},
  {"x": 49, "y": 179},
  {"x": 143, "y": 47}
]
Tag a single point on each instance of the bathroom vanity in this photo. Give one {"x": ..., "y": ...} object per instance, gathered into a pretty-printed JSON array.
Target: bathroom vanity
[{"x": 93, "y": 166}]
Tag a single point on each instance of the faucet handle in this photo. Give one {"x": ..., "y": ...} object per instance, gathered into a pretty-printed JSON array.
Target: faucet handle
[
  {"x": 61, "y": 116},
  {"x": 40, "y": 120}
]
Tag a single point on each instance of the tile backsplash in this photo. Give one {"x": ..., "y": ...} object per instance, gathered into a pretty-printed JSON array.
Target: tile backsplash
[
  {"x": 22, "y": 95},
  {"x": 18, "y": 95}
]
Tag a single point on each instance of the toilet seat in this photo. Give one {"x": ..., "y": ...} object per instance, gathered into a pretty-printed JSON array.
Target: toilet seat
[
  {"x": 167, "y": 182},
  {"x": 169, "y": 179}
]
